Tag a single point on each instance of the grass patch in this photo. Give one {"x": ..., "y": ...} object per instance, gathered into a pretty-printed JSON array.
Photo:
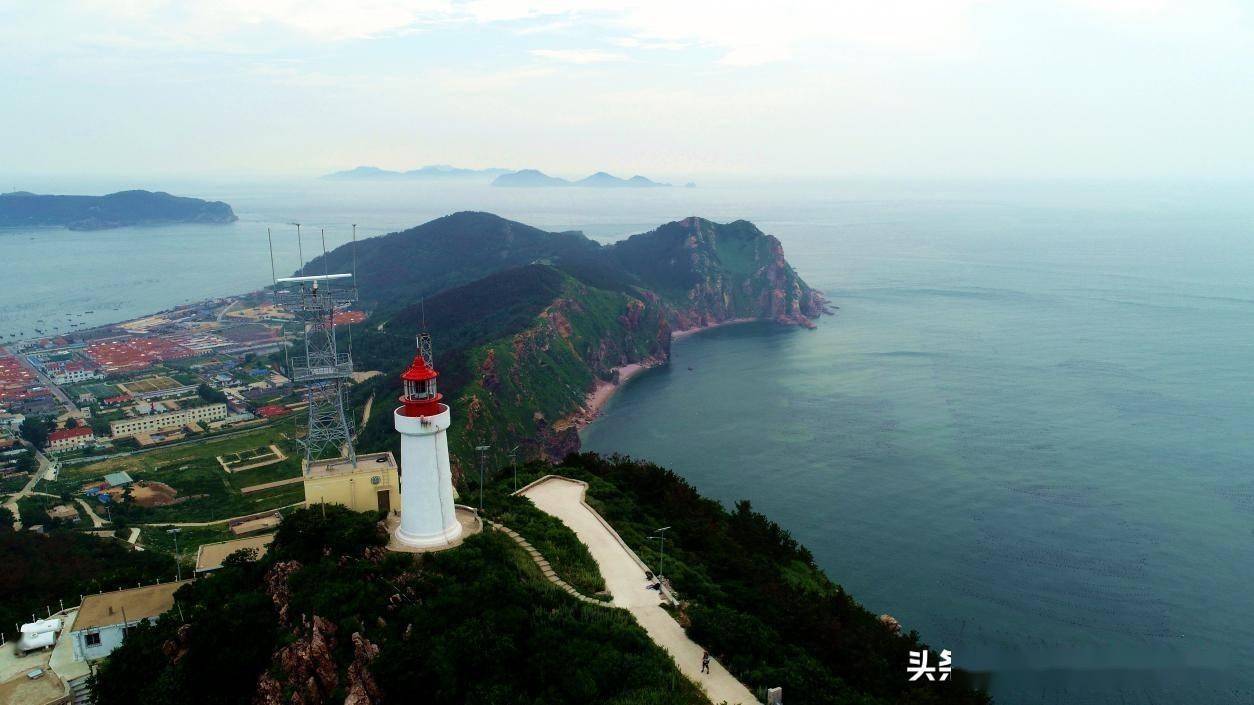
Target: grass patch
[
  {"x": 74, "y": 476},
  {"x": 13, "y": 483},
  {"x": 190, "y": 538},
  {"x": 235, "y": 461},
  {"x": 564, "y": 551},
  {"x": 205, "y": 491},
  {"x": 567, "y": 555},
  {"x": 34, "y": 511},
  {"x": 283, "y": 470}
]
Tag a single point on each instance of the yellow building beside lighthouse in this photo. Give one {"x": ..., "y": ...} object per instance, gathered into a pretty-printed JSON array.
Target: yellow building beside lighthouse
[{"x": 371, "y": 485}]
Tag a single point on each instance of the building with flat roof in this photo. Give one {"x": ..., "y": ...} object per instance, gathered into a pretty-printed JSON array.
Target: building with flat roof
[
  {"x": 369, "y": 485},
  {"x": 118, "y": 479},
  {"x": 209, "y": 556},
  {"x": 45, "y": 676},
  {"x": 167, "y": 420},
  {"x": 103, "y": 619}
]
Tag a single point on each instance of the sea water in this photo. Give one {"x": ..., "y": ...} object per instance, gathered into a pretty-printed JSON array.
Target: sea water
[{"x": 1026, "y": 433}]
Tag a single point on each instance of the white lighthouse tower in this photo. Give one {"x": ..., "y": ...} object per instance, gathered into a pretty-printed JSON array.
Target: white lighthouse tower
[{"x": 428, "y": 517}]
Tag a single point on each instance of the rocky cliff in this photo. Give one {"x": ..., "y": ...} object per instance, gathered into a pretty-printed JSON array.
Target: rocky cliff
[
  {"x": 525, "y": 385},
  {"x": 521, "y": 348},
  {"x": 711, "y": 273}
]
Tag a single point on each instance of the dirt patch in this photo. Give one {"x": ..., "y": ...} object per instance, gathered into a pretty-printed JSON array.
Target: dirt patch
[{"x": 147, "y": 493}]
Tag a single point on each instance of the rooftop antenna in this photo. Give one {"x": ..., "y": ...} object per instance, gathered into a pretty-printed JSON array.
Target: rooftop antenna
[
  {"x": 324, "y": 252},
  {"x": 274, "y": 279},
  {"x": 300, "y": 249},
  {"x": 424, "y": 337},
  {"x": 424, "y": 348}
]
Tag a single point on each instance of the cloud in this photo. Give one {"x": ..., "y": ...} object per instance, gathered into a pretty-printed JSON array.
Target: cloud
[
  {"x": 741, "y": 32},
  {"x": 732, "y": 32},
  {"x": 578, "y": 56},
  {"x": 636, "y": 43}
]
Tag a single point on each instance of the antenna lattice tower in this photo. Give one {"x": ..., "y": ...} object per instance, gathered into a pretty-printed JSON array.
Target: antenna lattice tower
[
  {"x": 424, "y": 348},
  {"x": 323, "y": 369}
]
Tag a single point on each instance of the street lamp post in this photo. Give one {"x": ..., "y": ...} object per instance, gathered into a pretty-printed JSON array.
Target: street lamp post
[
  {"x": 661, "y": 537},
  {"x": 178, "y": 563},
  {"x": 481, "y": 450},
  {"x": 513, "y": 460}
]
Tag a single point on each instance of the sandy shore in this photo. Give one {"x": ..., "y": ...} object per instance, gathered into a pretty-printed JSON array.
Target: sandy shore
[
  {"x": 601, "y": 393},
  {"x": 681, "y": 334}
]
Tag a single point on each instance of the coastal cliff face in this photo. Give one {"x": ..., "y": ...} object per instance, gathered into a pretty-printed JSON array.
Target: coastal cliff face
[
  {"x": 526, "y": 385},
  {"x": 521, "y": 348},
  {"x": 711, "y": 273}
]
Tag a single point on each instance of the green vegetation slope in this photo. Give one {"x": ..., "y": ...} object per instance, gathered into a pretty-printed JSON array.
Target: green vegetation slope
[{"x": 328, "y": 616}]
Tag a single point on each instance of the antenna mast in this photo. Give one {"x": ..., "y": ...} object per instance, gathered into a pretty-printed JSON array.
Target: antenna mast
[
  {"x": 324, "y": 371},
  {"x": 300, "y": 248},
  {"x": 424, "y": 348}
]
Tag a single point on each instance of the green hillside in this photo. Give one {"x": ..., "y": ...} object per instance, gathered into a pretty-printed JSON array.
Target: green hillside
[
  {"x": 527, "y": 345},
  {"x": 329, "y": 615},
  {"x": 520, "y": 348},
  {"x": 395, "y": 270}
]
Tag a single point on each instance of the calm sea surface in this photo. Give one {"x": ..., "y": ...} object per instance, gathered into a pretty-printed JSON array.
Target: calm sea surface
[{"x": 1026, "y": 433}]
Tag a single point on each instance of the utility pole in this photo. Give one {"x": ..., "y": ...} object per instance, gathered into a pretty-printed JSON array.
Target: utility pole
[
  {"x": 178, "y": 562},
  {"x": 513, "y": 460},
  {"x": 482, "y": 450},
  {"x": 661, "y": 537}
]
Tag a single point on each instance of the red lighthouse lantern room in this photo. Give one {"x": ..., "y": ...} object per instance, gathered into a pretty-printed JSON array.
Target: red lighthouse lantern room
[{"x": 420, "y": 397}]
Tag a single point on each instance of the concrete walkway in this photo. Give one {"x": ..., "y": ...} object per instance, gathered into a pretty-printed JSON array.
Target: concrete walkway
[
  {"x": 41, "y": 469},
  {"x": 624, "y": 578},
  {"x": 96, "y": 521}
]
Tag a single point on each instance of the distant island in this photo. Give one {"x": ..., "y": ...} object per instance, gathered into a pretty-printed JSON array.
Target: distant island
[
  {"x": 532, "y": 178},
  {"x": 116, "y": 210},
  {"x": 430, "y": 172}
]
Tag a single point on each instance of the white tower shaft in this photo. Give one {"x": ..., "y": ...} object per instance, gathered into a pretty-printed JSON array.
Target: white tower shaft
[{"x": 428, "y": 517}]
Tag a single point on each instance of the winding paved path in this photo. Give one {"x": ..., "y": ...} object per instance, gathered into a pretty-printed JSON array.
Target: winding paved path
[
  {"x": 624, "y": 578},
  {"x": 41, "y": 469},
  {"x": 96, "y": 521}
]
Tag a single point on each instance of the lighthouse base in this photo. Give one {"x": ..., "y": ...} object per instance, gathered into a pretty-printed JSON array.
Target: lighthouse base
[{"x": 468, "y": 524}]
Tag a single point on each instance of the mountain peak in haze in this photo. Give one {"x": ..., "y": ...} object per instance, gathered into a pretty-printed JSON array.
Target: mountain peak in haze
[
  {"x": 601, "y": 179},
  {"x": 431, "y": 171}
]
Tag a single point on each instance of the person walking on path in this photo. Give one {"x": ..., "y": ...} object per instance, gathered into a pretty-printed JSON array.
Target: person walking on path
[{"x": 705, "y": 661}]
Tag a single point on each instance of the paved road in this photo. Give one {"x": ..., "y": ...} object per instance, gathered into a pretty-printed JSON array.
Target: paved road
[
  {"x": 225, "y": 309},
  {"x": 29, "y": 487},
  {"x": 624, "y": 578},
  {"x": 96, "y": 521},
  {"x": 47, "y": 382}
]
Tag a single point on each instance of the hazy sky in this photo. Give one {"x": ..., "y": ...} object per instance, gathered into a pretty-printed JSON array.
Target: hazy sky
[{"x": 1083, "y": 88}]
